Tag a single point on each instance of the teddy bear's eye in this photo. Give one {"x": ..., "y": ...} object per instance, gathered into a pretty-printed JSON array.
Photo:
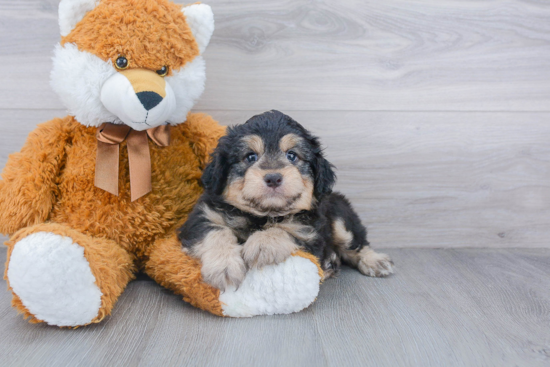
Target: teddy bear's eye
[
  {"x": 121, "y": 63},
  {"x": 163, "y": 71}
]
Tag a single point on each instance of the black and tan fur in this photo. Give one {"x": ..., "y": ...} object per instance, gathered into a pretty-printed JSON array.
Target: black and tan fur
[{"x": 268, "y": 192}]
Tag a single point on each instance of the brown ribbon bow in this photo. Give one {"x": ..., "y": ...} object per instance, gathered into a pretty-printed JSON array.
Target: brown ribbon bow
[{"x": 109, "y": 136}]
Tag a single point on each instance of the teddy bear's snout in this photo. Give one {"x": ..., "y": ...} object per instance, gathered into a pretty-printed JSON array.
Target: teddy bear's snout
[{"x": 140, "y": 98}]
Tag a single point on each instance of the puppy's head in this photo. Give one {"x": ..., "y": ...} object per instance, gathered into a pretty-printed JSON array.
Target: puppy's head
[{"x": 269, "y": 166}]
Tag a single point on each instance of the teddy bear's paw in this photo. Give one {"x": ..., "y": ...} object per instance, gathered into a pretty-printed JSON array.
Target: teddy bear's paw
[
  {"x": 374, "y": 264},
  {"x": 53, "y": 279},
  {"x": 269, "y": 247},
  {"x": 284, "y": 288}
]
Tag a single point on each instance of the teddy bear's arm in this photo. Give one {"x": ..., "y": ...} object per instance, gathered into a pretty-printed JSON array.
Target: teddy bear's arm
[
  {"x": 29, "y": 179},
  {"x": 203, "y": 132}
]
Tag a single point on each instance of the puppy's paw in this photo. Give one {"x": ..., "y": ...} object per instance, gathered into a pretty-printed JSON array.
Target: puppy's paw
[
  {"x": 272, "y": 246},
  {"x": 374, "y": 264},
  {"x": 222, "y": 262},
  {"x": 224, "y": 272}
]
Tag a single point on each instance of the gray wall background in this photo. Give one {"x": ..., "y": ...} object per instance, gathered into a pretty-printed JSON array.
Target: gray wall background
[{"x": 436, "y": 113}]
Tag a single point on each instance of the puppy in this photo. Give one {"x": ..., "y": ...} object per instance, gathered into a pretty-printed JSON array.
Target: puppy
[{"x": 268, "y": 193}]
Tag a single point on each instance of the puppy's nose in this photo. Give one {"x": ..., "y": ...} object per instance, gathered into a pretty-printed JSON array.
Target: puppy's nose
[
  {"x": 273, "y": 179},
  {"x": 149, "y": 99}
]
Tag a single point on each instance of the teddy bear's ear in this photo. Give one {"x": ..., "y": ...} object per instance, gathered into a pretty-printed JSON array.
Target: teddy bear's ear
[
  {"x": 71, "y": 12},
  {"x": 201, "y": 21}
]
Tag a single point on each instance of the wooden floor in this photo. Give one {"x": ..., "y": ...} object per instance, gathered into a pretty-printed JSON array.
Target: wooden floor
[{"x": 454, "y": 307}]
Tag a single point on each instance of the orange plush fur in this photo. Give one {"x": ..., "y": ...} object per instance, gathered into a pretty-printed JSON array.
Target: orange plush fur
[
  {"x": 126, "y": 28},
  {"x": 49, "y": 185},
  {"x": 118, "y": 235}
]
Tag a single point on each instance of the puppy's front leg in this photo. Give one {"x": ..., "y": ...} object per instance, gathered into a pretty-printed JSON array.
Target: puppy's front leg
[
  {"x": 267, "y": 247},
  {"x": 220, "y": 255}
]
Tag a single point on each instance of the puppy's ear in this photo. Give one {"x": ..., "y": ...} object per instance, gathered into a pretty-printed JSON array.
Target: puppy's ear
[
  {"x": 215, "y": 174},
  {"x": 325, "y": 178}
]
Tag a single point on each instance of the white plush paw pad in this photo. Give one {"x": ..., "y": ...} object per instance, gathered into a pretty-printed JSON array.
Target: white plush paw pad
[
  {"x": 51, "y": 276},
  {"x": 285, "y": 288}
]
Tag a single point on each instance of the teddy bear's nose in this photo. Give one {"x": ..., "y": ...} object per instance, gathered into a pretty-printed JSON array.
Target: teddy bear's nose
[{"x": 149, "y": 99}]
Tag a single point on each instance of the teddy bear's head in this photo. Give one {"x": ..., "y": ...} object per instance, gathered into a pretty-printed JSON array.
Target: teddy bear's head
[{"x": 136, "y": 62}]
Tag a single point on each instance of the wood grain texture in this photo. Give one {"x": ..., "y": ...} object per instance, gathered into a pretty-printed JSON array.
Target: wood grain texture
[
  {"x": 461, "y": 307},
  {"x": 445, "y": 178},
  {"x": 345, "y": 55},
  {"x": 420, "y": 179}
]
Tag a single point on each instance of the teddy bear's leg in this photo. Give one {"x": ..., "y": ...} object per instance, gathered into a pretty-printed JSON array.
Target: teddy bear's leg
[
  {"x": 62, "y": 277},
  {"x": 172, "y": 268},
  {"x": 284, "y": 288}
]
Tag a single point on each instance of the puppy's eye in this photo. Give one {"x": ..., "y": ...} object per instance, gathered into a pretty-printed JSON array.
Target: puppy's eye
[
  {"x": 251, "y": 157},
  {"x": 163, "y": 71},
  {"x": 121, "y": 63},
  {"x": 291, "y": 156}
]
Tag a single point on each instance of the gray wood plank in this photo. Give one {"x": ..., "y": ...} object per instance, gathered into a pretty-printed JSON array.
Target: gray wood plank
[
  {"x": 446, "y": 307},
  {"x": 345, "y": 55},
  {"x": 419, "y": 179},
  {"x": 460, "y": 307}
]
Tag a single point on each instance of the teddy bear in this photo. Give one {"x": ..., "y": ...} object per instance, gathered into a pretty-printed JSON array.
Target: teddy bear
[{"x": 96, "y": 196}]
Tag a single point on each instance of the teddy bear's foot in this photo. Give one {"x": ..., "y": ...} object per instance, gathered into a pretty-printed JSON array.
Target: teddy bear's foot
[
  {"x": 56, "y": 278},
  {"x": 284, "y": 288},
  {"x": 53, "y": 279}
]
